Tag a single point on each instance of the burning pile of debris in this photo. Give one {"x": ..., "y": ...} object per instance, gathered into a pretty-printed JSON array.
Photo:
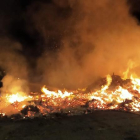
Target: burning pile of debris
[{"x": 114, "y": 93}]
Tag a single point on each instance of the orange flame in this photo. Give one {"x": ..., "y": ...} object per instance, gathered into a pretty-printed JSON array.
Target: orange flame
[{"x": 118, "y": 97}]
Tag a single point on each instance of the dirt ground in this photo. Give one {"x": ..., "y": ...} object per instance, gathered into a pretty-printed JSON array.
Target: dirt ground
[{"x": 99, "y": 125}]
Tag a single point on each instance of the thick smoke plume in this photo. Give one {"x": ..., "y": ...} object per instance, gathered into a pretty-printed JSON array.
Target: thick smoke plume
[{"x": 96, "y": 38}]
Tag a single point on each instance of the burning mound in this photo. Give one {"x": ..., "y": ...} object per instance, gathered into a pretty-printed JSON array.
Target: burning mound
[{"x": 114, "y": 93}]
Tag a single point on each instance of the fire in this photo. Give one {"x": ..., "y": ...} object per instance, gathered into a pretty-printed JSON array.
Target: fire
[
  {"x": 136, "y": 83},
  {"x": 125, "y": 95},
  {"x": 16, "y": 98},
  {"x": 109, "y": 80},
  {"x": 57, "y": 94}
]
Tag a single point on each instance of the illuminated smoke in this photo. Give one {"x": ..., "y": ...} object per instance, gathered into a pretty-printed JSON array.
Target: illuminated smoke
[
  {"x": 96, "y": 38},
  {"x": 14, "y": 67}
]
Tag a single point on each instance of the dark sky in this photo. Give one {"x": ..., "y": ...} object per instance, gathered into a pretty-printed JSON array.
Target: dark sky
[{"x": 15, "y": 24}]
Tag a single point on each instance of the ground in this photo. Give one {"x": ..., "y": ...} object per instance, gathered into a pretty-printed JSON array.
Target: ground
[{"x": 99, "y": 125}]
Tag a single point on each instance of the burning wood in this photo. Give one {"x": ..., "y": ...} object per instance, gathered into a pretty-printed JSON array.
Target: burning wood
[{"x": 114, "y": 94}]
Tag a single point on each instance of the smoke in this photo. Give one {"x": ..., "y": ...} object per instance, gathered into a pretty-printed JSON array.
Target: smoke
[
  {"x": 94, "y": 38},
  {"x": 14, "y": 66}
]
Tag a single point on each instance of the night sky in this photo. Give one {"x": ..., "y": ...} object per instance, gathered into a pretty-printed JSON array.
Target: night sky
[{"x": 16, "y": 25}]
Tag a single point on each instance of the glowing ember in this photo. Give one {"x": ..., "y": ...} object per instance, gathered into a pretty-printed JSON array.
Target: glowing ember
[{"x": 125, "y": 95}]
